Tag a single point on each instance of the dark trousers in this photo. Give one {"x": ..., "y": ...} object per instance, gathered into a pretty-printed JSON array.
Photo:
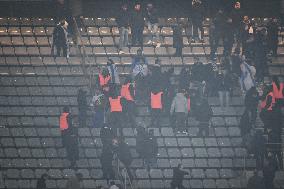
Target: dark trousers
[
  {"x": 252, "y": 111},
  {"x": 197, "y": 24},
  {"x": 179, "y": 186},
  {"x": 178, "y": 50},
  {"x": 59, "y": 48},
  {"x": 82, "y": 116},
  {"x": 130, "y": 113},
  {"x": 137, "y": 35},
  {"x": 156, "y": 117},
  {"x": 116, "y": 121},
  {"x": 180, "y": 121},
  {"x": 72, "y": 149}
]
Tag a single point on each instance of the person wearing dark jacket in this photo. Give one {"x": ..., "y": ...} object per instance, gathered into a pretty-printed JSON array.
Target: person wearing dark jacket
[
  {"x": 256, "y": 181},
  {"x": 197, "y": 19},
  {"x": 60, "y": 40},
  {"x": 177, "y": 39},
  {"x": 152, "y": 23},
  {"x": 41, "y": 182},
  {"x": 178, "y": 175},
  {"x": 272, "y": 36},
  {"x": 237, "y": 16},
  {"x": 123, "y": 153},
  {"x": 137, "y": 25},
  {"x": 123, "y": 21},
  {"x": 106, "y": 162},
  {"x": 203, "y": 114},
  {"x": 251, "y": 103},
  {"x": 82, "y": 107},
  {"x": 269, "y": 170},
  {"x": 224, "y": 87}
]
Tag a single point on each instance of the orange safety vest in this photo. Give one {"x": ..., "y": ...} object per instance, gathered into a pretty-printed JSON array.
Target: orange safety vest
[
  {"x": 156, "y": 100},
  {"x": 263, "y": 103},
  {"x": 125, "y": 92},
  {"x": 63, "y": 121},
  {"x": 277, "y": 92},
  {"x": 115, "y": 105},
  {"x": 188, "y": 104},
  {"x": 104, "y": 81}
]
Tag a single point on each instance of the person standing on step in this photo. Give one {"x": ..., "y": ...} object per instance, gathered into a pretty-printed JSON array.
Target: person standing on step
[
  {"x": 98, "y": 106},
  {"x": 123, "y": 21},
  {"x": 82, "y": 107},
  {"x": 115, "y": 103},
  {"x": 41, "y": 182},
  {"x": 137, "y": 25},
  {"x": 197, "y": 19},
  {"x": 203, "y": 114},
  {"x": 177, "y": 39},
  {"x": 152, "y": 23},
  {"x": 237, "y": 16},
  {"x": 224, "y": 87},
  {"x": 112, "y": 70},
  {"x": 179, "y": 108},
  {"x": 156, "y": 107},
  {"x": 106, "y": 162},
  {"x": 178, "y": 175},
  {"x": 127, "y": 91},
  {"x": 272, "y": 36},
  {"x": 251, "y": 104},
  {"x": 104, "y": 80},
  {"x": 74, "y": 181},
  {"x": 65, "y": 123},
  {"x": 60, "y": 40}
]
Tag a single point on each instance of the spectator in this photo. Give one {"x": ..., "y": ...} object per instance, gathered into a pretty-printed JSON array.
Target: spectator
[
  {"x": 266, "y": 108},
  {"x": 156, "y": 77},
  {"x": 82, "y": 107},
  {"x": 65, "y": 125},
  {"x": 116, "y": 103},
  {"x": 258, "y": 148},
  {"x": 251, "y": 104},
  {"x": 123, "y": 21},
  {"x": 74, "y": 181},
  {"x": 278, "y": 91},
  {"x": 41, "y": 182},
  {"x": 179, "y": 107},
  {"x": 177, "y": 39},
  {"x": 106, "y": 162},
  {"x": 178, "y": 175},
  {"x": 247, "y": 34},
  {"x": 197, "y": 19},
  {"x": 152, "y": 23},
  {"x": 203, "y": 114},
  {"x": 228, "y": 39},
  {"x": 113, "y": 185},
  {"x": 156, "y": 107},
  {"x": 256, "y": 181},
  {"x": 168, "y": 86},
  {"x": 98, "y": 104},
  {"x": 272, "y": 36},
  {"x": 184, "y": 78},
  {"x": 123, "y": 153},
  {"x": 127, "y": 91},
  {"x": 112, "y": 70},
  {"x": 140, "y": 72},
  {"x": 260, "y": 53},
  {"x": 137, "y": 25},
  {"x": 104, "y": 80},
  {"x": 146, "y": 146},
  {"x": 60, "y": 40},
  {"x": 106, "y": 135},
  {"x": 247, "y": 76},
  {"x": 237, "y": 16},
  {"x": 224, "y": 86},
  {"x": 269, "y": 170}
]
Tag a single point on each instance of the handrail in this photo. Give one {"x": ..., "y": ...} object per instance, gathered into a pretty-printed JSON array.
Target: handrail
[{"x": 126, "y": 175}]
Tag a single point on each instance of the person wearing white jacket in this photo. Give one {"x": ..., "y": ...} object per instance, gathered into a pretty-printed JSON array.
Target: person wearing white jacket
[{"x": 180, "y": 110}]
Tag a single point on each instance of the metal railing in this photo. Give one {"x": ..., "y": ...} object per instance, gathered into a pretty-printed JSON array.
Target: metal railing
[{"x": 123, "y": 175}]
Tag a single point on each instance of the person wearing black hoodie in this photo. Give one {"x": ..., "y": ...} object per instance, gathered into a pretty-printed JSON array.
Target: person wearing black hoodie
[
  {"x": 41, "y": 182},
  {"x": 106, "y": 162},
  {"x": 197, "y": 19},
  {"x": 203, "y": 114},
  {"x": 137, "y": 25},
  {"x": 178, "y": 175},
  {"x": 123, "y": 21},
  {"x": 152, "y": 23}
]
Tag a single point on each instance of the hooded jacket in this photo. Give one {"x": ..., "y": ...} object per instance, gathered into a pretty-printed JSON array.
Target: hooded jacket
[{"x": 179, "y": 104}]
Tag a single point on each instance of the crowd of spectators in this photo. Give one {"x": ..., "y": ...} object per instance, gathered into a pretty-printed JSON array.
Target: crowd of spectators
[{"x": 246, "y": 50}]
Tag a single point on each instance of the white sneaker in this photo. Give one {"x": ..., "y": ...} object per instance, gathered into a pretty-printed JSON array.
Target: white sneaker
[
  {"x": 121, "y": 52},
  {"x": 158, "y": 45},
  {"x": 149, "y": 42}
]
